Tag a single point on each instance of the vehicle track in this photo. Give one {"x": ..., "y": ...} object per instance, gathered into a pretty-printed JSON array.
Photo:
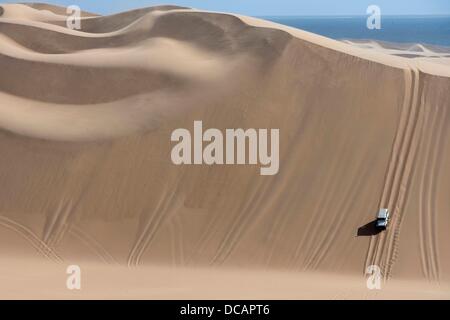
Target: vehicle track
[
  {"x": 339, "y": 219},
  {"x": 150, "y": 229},
  {"x": 245, "y": 215},
  {"x": 398, "y": 175},
  {"x": 306, "y": 244},
  {"x": 427, "y": 211},
  {"x": 168, "y": 205},
  {"x": 176, "y": 231},
  {"x": 423, "y": 189},
  {"x": 414, "y": 133},
  {"x": 93, "y": 244},
  {"x": 31, "y": 238},
  {"x": 57, "y": 225},
  {"x": 432, "y": 200}
]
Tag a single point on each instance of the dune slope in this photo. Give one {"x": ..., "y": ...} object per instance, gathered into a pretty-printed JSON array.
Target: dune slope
[{"x": 85, "y": 123}]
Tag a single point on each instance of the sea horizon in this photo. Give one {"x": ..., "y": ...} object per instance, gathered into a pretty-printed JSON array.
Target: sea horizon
[{"x": 424, "y": 29}]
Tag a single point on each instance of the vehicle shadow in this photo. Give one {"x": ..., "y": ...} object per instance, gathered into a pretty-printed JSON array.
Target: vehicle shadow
[{"x": 368, "y": 229}]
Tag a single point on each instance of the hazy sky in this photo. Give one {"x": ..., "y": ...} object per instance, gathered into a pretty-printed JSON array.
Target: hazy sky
[{"x": 271, "y": 7}]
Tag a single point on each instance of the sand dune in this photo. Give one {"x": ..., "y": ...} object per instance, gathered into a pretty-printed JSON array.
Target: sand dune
[
  {"x": 55, "y": 9},
  {"x": 85, "y": 123},
  {"x": 403, "y": 50}
]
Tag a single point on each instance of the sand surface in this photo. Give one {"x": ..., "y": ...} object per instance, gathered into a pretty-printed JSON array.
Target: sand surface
[{"x": 86, "y": 177}]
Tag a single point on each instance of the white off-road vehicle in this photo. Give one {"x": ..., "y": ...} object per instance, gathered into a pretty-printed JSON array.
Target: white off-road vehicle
[{"x": 382, "y": 219}]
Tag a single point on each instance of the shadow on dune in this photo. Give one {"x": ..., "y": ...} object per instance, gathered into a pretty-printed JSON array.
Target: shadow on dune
[{"x": 368, "y": 229}]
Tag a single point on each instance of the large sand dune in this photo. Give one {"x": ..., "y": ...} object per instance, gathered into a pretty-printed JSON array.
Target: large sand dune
[{"x": 85, "y": 123}]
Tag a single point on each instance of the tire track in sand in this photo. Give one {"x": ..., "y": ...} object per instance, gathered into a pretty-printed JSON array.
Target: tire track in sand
[
  {"x": 31, "y": 238},
  {"x": 432, "y": 200},
  {"x": 427, "y": 211},
  {"x": 398, "y": 199},
  {"x": 58, "y": 223},
  {"x": 92, "y": 244},
  {"x": 177, "y": 247},
  {"x": 167, "y": 206},
  {"x": 150, "y": 229},
  {"x": 339, "y": 219},
  {"x": 426, "y": 145},
  {"x": 398, "y": 175}
]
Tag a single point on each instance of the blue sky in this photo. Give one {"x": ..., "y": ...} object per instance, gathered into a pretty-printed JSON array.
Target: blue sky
[{"x": 271, "y": 7}]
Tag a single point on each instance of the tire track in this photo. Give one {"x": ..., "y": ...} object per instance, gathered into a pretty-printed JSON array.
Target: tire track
[
  {"x": 179, "y": 234},
  {"x": 428, "y": 214},
  {"x": 93, "y": 244},
  {"x": 57, "y": 226},
  {"x": 398, "y": 182},
  {"x": 336, "y": 225},
  {"x": 337, "y": 218},
  {"x": 317, "y": 217},
  {"x": 212, "y": 228},
  {"x": 173, "y": 249},
  {"x": 398, "y": 175},
  {"x": 426, "y": 145},
  {"x": 176, "y": 231},
  {"x": 163, "y": 212},
  {"x": 31, "y": 238},
  {"x": 433, "y": 199},
  {"x": 414, "y": 133},
  {"x": 394, "y": 161},
  {"x": 244, "y": 217},
  {"x": 132, "y": 258}
]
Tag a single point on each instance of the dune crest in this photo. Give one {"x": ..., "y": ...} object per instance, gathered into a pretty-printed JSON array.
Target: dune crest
[{"x": 85, "y": 123}]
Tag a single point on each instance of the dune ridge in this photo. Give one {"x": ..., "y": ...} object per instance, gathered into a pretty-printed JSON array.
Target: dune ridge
[{"x": 85, "y": 123}]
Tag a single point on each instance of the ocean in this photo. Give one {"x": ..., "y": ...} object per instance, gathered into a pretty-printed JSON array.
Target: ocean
[{"x": 431, "y": 30}]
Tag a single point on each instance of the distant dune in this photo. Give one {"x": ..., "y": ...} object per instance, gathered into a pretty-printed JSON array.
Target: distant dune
[{"x": 85, "y": 123}]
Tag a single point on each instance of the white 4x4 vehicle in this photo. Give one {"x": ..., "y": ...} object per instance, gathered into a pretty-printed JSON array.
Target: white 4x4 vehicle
[{"x": 382, "y": 219}]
